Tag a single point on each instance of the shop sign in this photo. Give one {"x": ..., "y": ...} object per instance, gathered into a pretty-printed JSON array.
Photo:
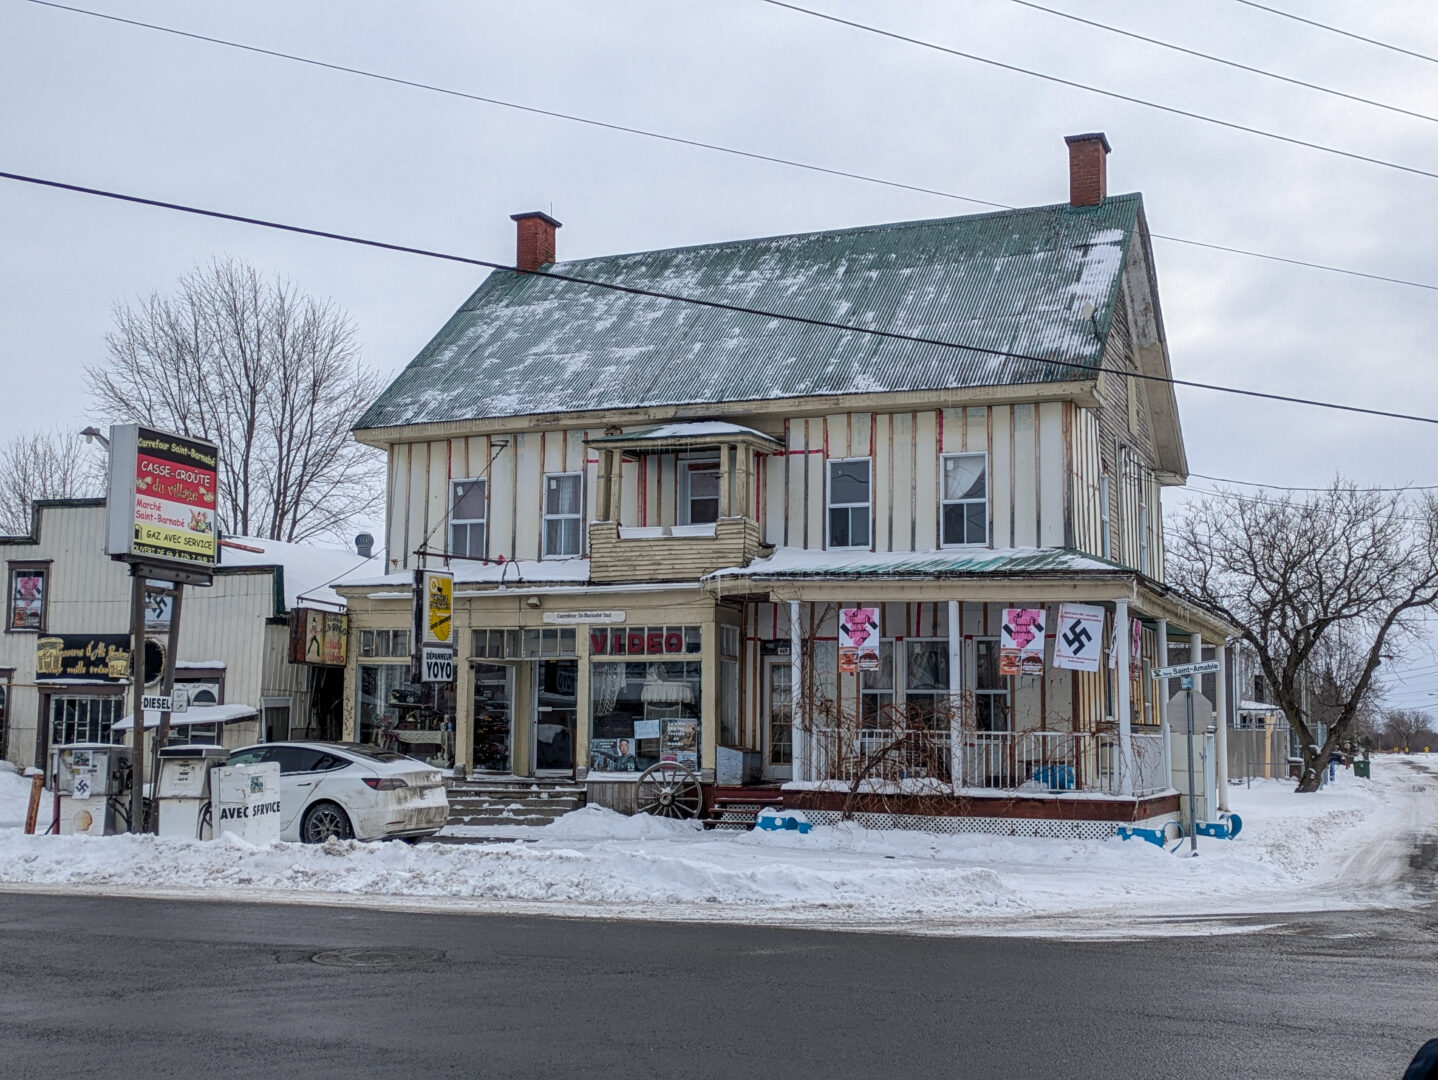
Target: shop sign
[
  {"x": 775, "y": 647},
  {"x": 1021, "y": 642},
  {"x": 641, "y": 641},
  {"x": 436, "y": 664},
  {"x": 1079, "y": 638},
  {"x": 436, "y": 598},
  {"x": 858, "y": 639},
  {"x": 161, "y": 501},
  {"x": 91, "y": 657},
  {"x": 562, "y": 618},
  {"x": 319, "y": 637}
]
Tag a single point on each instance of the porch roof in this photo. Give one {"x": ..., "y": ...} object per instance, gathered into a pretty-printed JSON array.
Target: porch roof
[
  {"x": 686, "y": 435},
  {"x": 789, "y": 562}
]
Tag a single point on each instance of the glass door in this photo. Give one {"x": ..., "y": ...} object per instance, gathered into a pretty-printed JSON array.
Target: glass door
[
  {"x": 556, "y": 688},
  {"x": 778, "y": 719},
  {"x": 493, "y": 718}
]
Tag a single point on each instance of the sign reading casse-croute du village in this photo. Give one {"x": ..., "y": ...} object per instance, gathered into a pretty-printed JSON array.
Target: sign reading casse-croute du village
[{"x": 162, "y": 496}]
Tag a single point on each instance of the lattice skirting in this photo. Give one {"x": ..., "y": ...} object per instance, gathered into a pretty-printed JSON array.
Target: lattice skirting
[{"x": 994, "y": 826}]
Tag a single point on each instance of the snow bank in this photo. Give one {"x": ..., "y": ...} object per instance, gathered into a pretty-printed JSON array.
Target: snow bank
[{"x": 14, "y": 799}]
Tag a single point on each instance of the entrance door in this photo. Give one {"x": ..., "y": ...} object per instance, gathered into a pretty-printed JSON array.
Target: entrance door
[
  {"x": 493, "y": 718},
  {"x": 556, "y": 706},
  {"x": 778, "y": 719}
]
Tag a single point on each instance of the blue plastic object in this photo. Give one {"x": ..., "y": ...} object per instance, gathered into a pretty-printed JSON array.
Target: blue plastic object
[
  {"x": 1055, "y": 777},
  {"x": 780, "y": 822},
  {"x": 1159, "y": 836},
  {"x": 1228, "y": 827}
]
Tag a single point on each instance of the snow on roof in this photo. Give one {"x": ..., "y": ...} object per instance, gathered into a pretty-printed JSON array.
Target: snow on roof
[
  {"x": 512, "y": 572},
  {"x": 197, "y": 714},
  {"x": 1258, "y": 706},
  {"x": 794, "y": 562},
  {"x": 308, "y": 568},
  {"x": 686, "y": 430}
]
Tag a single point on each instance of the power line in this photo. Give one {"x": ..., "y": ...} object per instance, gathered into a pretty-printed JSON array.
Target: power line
[
  {"x": 1116, "y": 95},
  {"x": 702, "y": 145},
  {"x": 1226, "y": 62},
  {"x": 1243, "y": 496},
  {"x": 1286, "y": 487},
  {"x": 1090, "y": 370},
  {"x": 1336, "y": 30}
]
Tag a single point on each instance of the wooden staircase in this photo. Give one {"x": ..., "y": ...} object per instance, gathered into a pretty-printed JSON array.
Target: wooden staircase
[{"x": 738, "y": 807}]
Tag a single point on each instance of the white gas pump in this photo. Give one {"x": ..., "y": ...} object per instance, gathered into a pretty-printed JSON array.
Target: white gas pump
[
  {"x": 184, "y": 790},
  {"x": 247, "y": 801},
  {"x": 91, "y": 781}
]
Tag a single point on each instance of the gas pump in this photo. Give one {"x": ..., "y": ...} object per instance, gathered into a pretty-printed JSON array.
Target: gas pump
[
  {"x": 183, "y": 791},
  {"x": 92, "y": 785}
]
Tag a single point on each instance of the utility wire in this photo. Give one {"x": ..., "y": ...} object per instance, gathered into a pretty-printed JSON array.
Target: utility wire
[
  {"x": 1226, "y": 62},
  {"x": 1116, "y": 95},
  {"x": 1336, "y": 30},
  {"x": 1285, "y": 487},
  {"x": 1088, "y": 370},
  {"x": 699, "y": 144}
]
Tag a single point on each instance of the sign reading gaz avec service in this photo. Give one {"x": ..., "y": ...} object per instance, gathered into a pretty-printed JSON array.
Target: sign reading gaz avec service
[{"x": 162, "y": 497}]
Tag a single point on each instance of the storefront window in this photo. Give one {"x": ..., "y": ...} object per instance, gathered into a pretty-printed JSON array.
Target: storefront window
[
  {"x": 548, "y": 642},
  {"x": 644, "y": 713},
  {"x": 83, "y": 719},
  {"x": 382, "y": 689},
  {"x": 492, "y": 730}
]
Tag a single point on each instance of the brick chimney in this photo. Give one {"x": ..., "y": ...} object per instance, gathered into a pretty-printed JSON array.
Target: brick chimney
[
  {"x": 535, "y": 247},
  {"x": 1088, "y": 168}
]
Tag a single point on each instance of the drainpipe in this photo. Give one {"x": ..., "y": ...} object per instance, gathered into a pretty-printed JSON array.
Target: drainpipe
[
  {"x": 1125, "y": 720},
  {"x": 1161, "y": 688}
]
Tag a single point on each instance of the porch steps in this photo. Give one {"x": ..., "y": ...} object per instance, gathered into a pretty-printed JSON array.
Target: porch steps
[
  {"x": 738, "y": 808},
  {"x": 512, "y": 802}
]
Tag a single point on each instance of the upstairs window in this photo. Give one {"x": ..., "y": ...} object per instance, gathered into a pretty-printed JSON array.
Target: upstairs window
[
  {"x": 468, "y": 511},
  {"x": 29, "y": 589},
  {"x": 850, "y": 503},
  {"x": 700, "y": 494},
  {"x": 563, "y": 515},
  {"x": 964, "y": 499}
]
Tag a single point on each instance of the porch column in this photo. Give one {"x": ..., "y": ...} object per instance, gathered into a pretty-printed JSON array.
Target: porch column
[
  {"x": 616, "y": 487},
  {"x": 797, "y": 722},
  {"x": 956, "y": 697},
  {"x": 1220, "y": 741},
  {"x": 1161, "y": 689},
  {"x": 604, "y": 500},
  {"x": 1122, "y": 696},
  {"x": 726, "y": 480}
]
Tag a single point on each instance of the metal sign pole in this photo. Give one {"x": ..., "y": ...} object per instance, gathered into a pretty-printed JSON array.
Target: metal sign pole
[
  {"x": 1192, "y": 795},
  {"x": 137, "y": 683}
]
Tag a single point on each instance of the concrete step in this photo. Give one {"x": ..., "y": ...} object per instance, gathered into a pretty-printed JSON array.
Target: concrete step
[
  {"x": 536, "y": 820},
  {"x": 558, "y": 806}
]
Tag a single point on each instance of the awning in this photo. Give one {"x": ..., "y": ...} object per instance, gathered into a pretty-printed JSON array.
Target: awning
[
  {"x": 685, "y": 435},
  {"x": 196, "y": 714}
]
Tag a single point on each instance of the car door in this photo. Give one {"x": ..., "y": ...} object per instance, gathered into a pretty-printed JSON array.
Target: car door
[{"x": 300, "y": 780}]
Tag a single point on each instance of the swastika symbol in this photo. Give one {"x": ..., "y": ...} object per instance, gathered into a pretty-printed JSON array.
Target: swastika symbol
[{"x": 1077, "y": 636}]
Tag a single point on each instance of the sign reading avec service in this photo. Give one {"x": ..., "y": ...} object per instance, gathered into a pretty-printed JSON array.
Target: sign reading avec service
[{"x": 162, "y": 497}]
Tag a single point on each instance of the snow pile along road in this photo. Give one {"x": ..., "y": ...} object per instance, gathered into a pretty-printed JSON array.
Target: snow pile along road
[{"x": 1295, "y": 852}]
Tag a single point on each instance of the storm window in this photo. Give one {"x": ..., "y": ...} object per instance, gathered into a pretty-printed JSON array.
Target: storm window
[{"x": 850, "y": 503}]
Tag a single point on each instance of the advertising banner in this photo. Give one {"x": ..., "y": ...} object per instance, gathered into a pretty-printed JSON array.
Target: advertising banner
[
  {"x": 436, "y": 597},
  {"x": 1079, "y": 638},
  {"x": 858, "y": 639},
  {"x": 87, "y": 657},
  {"x": 1021, "y": 642},
  {"x": 319, "y": 637},
  {"x": 162, "y": 497}
]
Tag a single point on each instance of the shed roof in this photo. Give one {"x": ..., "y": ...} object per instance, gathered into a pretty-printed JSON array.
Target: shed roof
[{"x": 1015, "y": 281}]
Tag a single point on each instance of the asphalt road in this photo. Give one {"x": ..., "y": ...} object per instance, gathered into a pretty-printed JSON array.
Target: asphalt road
[{"x": 121, "y": 988}]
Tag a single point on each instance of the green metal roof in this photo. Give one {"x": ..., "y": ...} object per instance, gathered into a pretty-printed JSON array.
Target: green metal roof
[
  {"x": 805, "y": 562},
  {"x": 1018, "y": 281}
]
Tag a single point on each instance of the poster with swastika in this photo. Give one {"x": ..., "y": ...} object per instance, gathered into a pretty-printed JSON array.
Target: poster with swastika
[{"x": 1079, "y": 640}]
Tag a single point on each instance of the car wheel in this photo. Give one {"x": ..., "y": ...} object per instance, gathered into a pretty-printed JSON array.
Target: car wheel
[{"x": 324, "y": 820}]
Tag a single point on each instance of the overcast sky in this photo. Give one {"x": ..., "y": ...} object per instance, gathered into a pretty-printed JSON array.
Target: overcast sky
[{"x": 101, "y": 104}]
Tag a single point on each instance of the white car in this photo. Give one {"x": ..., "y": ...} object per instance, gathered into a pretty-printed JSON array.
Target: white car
[{"x": 351, "y": 791}]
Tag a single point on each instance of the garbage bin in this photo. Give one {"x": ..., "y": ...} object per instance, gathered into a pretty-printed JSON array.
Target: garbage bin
[
  {"x": 1361, "y": 768},
  {"x": 183, "y": 791}
]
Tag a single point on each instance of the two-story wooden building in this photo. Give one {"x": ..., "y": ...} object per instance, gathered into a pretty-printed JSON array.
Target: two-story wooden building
[{"x": 657, "y": 510}]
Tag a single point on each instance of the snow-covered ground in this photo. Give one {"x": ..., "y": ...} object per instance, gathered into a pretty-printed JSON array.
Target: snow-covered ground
[{"x": 1346, "y": 846}]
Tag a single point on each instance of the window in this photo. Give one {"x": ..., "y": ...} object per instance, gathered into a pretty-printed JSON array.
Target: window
[
  {"x": 926, "y": 679},
  {"x": 550, "y": 641},
  {"x": 991, "y": 694},
  {"x": 644, "y": 713},
  {"x": 849, "y": 503},
  {"x": 84, "y": 719},
  {"x": 28, "y": 590},
  {"x": 381, "y": 686},
  {"x": 563, "y": 515},
  {"x": 876, "y": 688},
  {"x": 699, "y": 496},
  {"x": 964, "y": 499},
  {"x": 468, "y": 512},
  {"x": 384, "y": 643}
]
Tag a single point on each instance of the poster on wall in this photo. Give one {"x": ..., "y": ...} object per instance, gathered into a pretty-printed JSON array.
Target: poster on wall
[
  {"x": 858, "y": 639},
  {"x": 681, "y": 742},
  {"x": 612, "y": 755},
  {"x": 1135, "y": 652},
  {"x": 1079, "y": 637},
  {"x": 162, "y": 497},
  {"x": 1021, "y": 642},
  {"x": 27, "y": 599}
]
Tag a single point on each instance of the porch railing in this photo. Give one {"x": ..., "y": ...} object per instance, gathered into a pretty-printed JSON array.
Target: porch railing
[{"x": 1022, "y": 761}]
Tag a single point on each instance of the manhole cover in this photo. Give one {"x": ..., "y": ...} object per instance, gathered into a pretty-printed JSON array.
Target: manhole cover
[{"x": 376, "y": 957}]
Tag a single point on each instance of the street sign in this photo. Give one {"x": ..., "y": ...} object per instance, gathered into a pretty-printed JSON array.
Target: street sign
[
  {"x": 436, "y": 665},
  {"x": 157, "y": 703},
  {"x": 1203, "y": 667}
]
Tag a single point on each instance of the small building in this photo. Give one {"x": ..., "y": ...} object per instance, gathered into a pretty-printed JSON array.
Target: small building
[
  {"x": 64, "y": 656},
  {"x": 660, "y": 514}
]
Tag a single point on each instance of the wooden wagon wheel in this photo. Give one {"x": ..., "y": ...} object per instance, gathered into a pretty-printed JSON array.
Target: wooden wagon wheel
[{"x": 668, "y": 790}]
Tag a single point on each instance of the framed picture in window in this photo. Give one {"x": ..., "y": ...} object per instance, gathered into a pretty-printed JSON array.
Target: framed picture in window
[{"x": 29, "y": 587}]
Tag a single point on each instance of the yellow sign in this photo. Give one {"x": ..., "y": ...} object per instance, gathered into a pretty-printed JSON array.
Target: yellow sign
[{"x": 439, "y": 605}]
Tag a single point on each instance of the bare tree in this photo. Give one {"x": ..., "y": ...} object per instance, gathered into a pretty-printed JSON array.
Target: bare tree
[
  {"x": 1403, "y": 728},
  {"x": 270, "y": 374},
  {"x": 45, "y": 465},
  {"x": 1323, "y": 587}
]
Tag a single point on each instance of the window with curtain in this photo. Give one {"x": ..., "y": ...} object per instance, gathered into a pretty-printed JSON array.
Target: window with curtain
[
  {"x": 926, "y": 678},
  {"x": 964, "y": 509},
  {"x": 563, "y": 515}
]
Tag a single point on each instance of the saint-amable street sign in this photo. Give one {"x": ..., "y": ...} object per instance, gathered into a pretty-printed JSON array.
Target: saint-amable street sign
[{"x": 1202, "y": 667}]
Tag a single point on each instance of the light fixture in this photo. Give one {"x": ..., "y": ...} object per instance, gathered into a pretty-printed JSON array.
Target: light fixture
[{"x": 533, "y": 601}]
